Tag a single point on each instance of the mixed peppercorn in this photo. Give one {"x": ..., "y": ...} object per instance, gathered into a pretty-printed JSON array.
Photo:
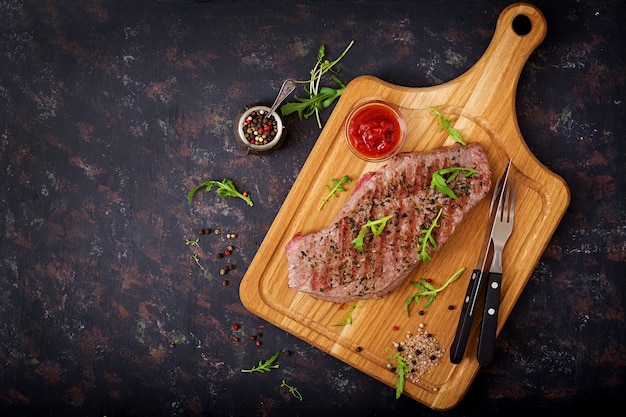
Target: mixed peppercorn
[
  {"x": 419, "y": 352},
  {"x": 258, "y": 128}
]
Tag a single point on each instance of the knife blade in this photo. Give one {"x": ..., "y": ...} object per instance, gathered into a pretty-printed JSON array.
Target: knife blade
[{"x": 474, "y": 289}]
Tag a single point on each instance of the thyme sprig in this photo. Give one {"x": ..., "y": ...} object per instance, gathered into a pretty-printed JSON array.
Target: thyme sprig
[
  {"x": 225, "y": 188},
  {"x": 440, "y": 181},
  {"x": 428, "y": 240},
  {"x": 317, "y": 99},
  {"x": 446, "y": 124},
  {"x": 334, "y": 188},
  {"x": 427, "y": 290},
  {"x": 266, "y": 366},
  {"x": 376, "y": 226}
]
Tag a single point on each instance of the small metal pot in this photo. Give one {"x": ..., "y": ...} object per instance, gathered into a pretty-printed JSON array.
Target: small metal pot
[{"x": 240, "y": 125}]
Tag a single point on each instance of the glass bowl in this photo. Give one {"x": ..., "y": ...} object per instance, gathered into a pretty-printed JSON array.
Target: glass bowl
[{"x": 375, "y": 131}]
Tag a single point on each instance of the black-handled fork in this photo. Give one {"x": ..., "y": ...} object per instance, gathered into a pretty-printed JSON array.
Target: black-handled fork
[{"x": 476, "y": 284}]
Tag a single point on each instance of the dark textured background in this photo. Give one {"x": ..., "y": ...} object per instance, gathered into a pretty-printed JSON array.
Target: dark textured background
[{"x": 110, "y": 111}]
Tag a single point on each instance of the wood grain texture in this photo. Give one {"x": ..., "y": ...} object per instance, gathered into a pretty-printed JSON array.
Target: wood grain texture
[{"x": 483, "y": 103}]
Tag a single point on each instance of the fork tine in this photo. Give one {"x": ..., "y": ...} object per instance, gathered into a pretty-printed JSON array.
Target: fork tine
[
  {"x": 502, "y": 204},
  {"x": 513, "y": 194},
  {"x": 494, "y": 197}
]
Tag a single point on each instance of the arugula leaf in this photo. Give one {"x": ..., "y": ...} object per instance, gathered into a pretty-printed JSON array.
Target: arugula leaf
[
  {"x": 446, "y": 124},
  {"x": 401, "y": 369},
  {"x": 426, "y": 289},
  {"x": 335, "y": 187},
  {"x": 439, "y": 181},
  {"x": 225, "y": 188},
  {"x": 266, "y": 366},
  {"x": 318, "y": 99},
  {"x": 428, "y": 240},
  {"x": 347, "y": 318},
  {"x": 307, "y": 106},
  {"x": 376, "y": 226}
]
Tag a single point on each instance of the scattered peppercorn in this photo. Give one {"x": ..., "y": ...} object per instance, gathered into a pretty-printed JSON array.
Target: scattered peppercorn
[
  {"x": 204, "y": 231},
  {"x": 358, "y": 348},
  {"x": 217, "y": 232},
  {"x": 396, "y": 328},
  {"x": 225, "y": 282},
  {"x": 421, "y": 312},
  {"x": 450, "y": 307},
  {"x": 222, "y": 271},
  {"x": 220, "y": 255}
]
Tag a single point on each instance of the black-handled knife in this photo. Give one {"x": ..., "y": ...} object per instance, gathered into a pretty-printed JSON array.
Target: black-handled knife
[
  {"x": 468, "y": 311},
  {"x": 474, "y": 289}
]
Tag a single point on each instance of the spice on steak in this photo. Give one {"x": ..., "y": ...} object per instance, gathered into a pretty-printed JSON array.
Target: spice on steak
[{"x": 420, "y": 352}]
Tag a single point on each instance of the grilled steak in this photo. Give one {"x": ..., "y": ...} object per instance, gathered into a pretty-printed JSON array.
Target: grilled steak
[{"x": 326, "y": 264}]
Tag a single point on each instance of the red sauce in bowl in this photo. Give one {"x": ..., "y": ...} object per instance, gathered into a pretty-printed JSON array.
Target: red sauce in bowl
[{"x": 375, "y": 131}]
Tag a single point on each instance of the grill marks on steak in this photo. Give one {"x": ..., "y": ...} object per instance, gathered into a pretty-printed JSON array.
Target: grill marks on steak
[{"x": 326, "y": 265}]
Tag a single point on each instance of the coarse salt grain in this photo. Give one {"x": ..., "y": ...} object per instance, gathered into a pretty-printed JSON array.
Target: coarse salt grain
[{"x": 420, "y": 352}]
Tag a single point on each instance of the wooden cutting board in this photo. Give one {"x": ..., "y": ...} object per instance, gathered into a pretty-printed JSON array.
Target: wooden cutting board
[{"x": 483, "y": 103}]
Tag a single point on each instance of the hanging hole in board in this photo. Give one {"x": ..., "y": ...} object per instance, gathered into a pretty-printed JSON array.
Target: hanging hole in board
[{"x": 522, "y": 25}]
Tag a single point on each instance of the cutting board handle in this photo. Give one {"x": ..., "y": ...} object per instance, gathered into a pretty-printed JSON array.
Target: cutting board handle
[{"x": 521, "y": 27}]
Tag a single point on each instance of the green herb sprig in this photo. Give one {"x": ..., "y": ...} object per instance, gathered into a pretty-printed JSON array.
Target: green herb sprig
[
  {"x": 440, "y": 181},
  {"x": 428, "y": 240},
  {"x": 446, "y": 124},
  {"x": 307, "y": 106},
  {"x": 196, "y": 258},
  {"x": 347, "y": 318},
  {"x": 190, "y": 242},
  {"x": 427, "y": 290},
  {"x": 292, "y": 390},
  {"x": 376, "y": 226},
  {"x": 318, "y": 99},
  {"x": 266, "y": 366},
  {"x": 401, "y": 370},
  {"x": 225, "y": 188},
  {"x": 335, "y": 187}
]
